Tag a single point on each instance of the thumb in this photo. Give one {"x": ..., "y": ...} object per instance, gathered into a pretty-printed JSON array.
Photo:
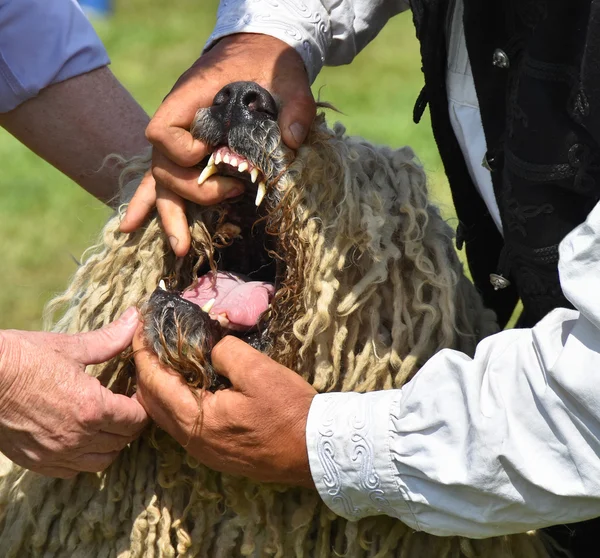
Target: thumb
[
  {"x": 240, "y": 363},
  {"x": 103, "y": 344},
  {"x": 296, "y": 117}
]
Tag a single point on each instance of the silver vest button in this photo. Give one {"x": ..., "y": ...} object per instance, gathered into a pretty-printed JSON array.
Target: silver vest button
[
  {"x": 498, "y": 282},
  {"x": 500, "y": 59}
]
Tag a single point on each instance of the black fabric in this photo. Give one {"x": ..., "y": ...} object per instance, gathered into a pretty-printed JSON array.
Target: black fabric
[
  {"x": 541, "y": 118},
  {"x": 476, "y": 231}
]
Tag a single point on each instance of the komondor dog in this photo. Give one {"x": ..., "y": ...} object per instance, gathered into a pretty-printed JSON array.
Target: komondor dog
[{"x": 340, "y": 268}]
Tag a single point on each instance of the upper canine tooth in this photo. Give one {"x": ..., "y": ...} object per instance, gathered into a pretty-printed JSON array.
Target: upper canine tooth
[
  {"x": 209, "y": 170},
  {"x": 211, "y": 160},
  {"x": 218, "y": 158},
  {"x": 226, "y": 158},
  {"x": 260, "y": 193},
  {"x": 254, "y": 175},
  {"x": 233, "y": 161},
  {"x": 243, "y": 166}
]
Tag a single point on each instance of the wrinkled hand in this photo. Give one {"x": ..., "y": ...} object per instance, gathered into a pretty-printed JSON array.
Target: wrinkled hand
[
  {"x": 55, "y": 419},
  {"x": 255, "y": 429},
  {"x": 245, "y": 57}
]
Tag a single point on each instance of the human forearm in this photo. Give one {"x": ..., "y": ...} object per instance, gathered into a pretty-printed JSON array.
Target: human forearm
[{"x": 77, "y": 123}]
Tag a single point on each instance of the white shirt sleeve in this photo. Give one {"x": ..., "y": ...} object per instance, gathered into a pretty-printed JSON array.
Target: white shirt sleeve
[
  {"x": 329, "y": 32},
  {"x": 43, "y": 42},
  {"x": 505, "y": 442}
]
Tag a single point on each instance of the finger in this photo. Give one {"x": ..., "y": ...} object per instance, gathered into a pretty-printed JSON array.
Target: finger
[
  {"x": 238, "y": 361},
  {"x": 141, "y": 205},
  {"x": 184, "y": 182},
  {"x": 164, "y": 393},
  {"x": 295, "y": 119},
  {"x": 122, "y": 415},
  {"x": 168, "y": 132},
  {"x": 103, "y": 344},
  {"x": 171, "y": 209},
  {"x": 92, "y": 462},
  {"x": 55, "y": 472},
  {"x": 107, "y": 442}
]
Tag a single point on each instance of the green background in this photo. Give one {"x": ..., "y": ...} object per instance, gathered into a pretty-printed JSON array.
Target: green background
[{"x": 46, "y": 221}]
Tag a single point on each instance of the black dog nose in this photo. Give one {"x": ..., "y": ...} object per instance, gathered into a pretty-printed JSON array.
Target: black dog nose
[{"x": 243, "y": 102}]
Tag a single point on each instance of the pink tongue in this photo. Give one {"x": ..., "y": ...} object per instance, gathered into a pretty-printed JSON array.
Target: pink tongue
[{"x": 240, "y": 302}]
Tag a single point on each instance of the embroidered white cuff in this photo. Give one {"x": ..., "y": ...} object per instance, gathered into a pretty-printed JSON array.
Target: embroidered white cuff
[{"x": 348, "y": 447}]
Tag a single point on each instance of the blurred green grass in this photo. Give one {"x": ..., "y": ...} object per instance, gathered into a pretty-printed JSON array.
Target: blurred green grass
[{"x": 46, "y": 221}]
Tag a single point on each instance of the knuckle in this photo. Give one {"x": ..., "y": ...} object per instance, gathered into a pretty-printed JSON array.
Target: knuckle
[
  {"x": 162, "y": 176},
  {"x": 89, "y": 415},
  {"x": 155, "y": 132},
  {"x": 224, "y": 346}
]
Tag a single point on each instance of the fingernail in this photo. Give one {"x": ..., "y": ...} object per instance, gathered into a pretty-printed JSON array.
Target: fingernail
[
  {"x": 130, "y": 315},
  {"x": 173, "y": 241},
  {"x": 298, "y": 132}
]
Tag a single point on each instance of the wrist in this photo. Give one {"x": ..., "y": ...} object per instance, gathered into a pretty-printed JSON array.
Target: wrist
[
  {"x": 298, "y": 469},
  {"x": 263, "y": 47},
  {"x": 305, "y": 49}
]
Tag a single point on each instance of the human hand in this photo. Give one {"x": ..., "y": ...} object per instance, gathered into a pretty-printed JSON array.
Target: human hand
[
  {"x": 256, "y": 428},
  {"x": 55, "y": 419},
  {"x": 244, "y": 57}
]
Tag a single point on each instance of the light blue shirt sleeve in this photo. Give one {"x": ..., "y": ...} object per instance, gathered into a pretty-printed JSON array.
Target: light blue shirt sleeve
[{"x": 43, "y": 42}]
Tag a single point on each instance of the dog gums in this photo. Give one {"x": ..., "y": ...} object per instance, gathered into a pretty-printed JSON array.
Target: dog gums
[{"x": 369, "y": 289}]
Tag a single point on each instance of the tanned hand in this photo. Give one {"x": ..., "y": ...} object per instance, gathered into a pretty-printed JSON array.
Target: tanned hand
[
  {"x": 256, "y": 428},
  {"x": 243, "y": 57}
]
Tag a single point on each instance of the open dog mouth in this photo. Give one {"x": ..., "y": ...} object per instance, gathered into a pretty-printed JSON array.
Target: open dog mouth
[
  {"x": 225, "y": 162},
  {"x": 232, "y": 292}
]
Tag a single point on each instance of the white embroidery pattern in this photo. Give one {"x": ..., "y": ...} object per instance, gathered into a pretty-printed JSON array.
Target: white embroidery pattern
[
  {"x": 366, "y": 480},
  {"x": 363, "y": 451},
  {"x": 326, "y": 452}
]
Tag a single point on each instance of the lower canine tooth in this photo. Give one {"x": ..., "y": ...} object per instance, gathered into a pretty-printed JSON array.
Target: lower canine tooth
[
  {"x": 260, "y": 193},
  {"x": 209, "y": 170},
  {"x": 254, "y": 175},
  {"x": 161, "y": 285}
]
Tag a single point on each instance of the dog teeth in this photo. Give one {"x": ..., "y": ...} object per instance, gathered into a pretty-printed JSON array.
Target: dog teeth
[
  {"x": 209, "y": 170},
  {"x": 243, "y": 166},
  {"x": 161, "y": 285},
  {"x": 254, "y": 175},
  {"x": 226, "y": 158},
  {"x": 208, "y": 306},
  {"x": 260, "y": 193},
  {"x": 218, "y": 158},
  {"x": 233, "y": 161}
]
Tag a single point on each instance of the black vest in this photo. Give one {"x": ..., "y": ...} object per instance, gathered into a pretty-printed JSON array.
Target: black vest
[{"x": 536, "y": 68}]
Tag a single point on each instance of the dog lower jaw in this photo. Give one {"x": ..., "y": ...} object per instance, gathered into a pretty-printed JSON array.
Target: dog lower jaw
[{"x": 182, "y": 329}]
